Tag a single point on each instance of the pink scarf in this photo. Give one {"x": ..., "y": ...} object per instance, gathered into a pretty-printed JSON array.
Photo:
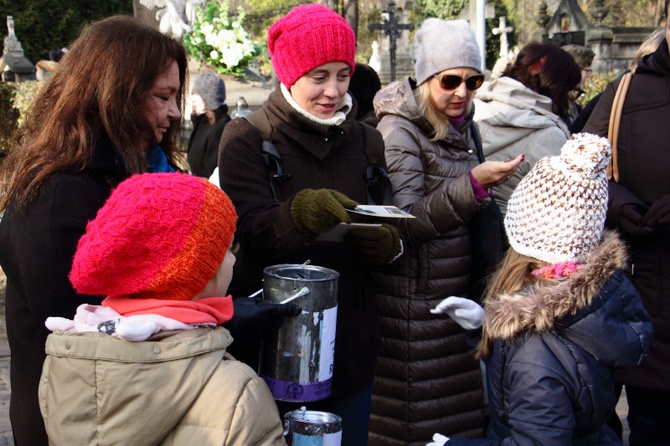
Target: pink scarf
[{"x": 557, "y": 270}]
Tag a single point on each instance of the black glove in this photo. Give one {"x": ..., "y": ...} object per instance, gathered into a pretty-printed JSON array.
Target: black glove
[
  {"x": 254, "y": 317},
  {"x": 658, "y": 213},
  {"x": 379, "y": 245},
  {"x": 630, "y": 221},
  {"x": 319, "y": 211}
]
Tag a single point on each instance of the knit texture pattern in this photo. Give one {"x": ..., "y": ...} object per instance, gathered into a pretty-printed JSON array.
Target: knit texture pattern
[
  {"x": 443, "y": 45},
  {"x": 557, "y": 212},
  {"x": 159, "y": 236},
  {"x": 308, "y": 37},
  {"x": 319, "y": 211}
]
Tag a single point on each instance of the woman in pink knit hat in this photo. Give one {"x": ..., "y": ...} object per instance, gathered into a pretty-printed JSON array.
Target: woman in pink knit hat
[
  {"x": 318, "y": 173},
  {"x": 149, "y": 365}
]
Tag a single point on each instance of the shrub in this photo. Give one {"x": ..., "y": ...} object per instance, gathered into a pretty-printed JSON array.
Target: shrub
[
  {"x": 15, "y": 100},
  {"x": 8, "y": 115},
  {"x": 221, "y": 41},
  {"x": 25, "y": 93},
  {"x": 595, "y": 84}
]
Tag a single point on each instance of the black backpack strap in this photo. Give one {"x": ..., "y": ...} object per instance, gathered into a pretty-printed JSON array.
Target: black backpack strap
[
  {"x": 271, "y": 156},
  {"x": 373, "y": 173},
  {"x": 476, "y": 137}
]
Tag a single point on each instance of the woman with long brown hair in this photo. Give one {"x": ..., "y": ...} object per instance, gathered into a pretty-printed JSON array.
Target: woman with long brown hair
[{"x": 112, "y": 109}]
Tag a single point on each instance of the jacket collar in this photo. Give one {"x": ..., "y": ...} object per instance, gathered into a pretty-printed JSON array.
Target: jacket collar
[
  {"x": 539, "y": 309},
  {"x": 658, "y": 62},
  {"x": 317, "y": 138}
]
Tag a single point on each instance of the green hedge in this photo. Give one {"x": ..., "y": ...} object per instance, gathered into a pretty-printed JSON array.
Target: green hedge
[
  {"x": 595, "y": 84},
  {"x": 15, "y": 100},
  {"x": 44, "y": 25},
  {"x": 8, "y": 115}
]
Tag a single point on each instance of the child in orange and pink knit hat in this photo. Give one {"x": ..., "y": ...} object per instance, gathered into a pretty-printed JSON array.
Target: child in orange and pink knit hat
[{"x": 150, "y": 363}]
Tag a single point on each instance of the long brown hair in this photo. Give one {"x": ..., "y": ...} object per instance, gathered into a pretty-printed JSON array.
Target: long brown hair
[
  {"x": 97, "y": 93},
  {"x": 513, "y": 274},
  {"x": 558, "y": 76}
]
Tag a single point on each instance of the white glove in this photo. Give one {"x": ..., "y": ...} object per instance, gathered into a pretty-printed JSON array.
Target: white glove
[
  {"x": 438, "y": 440},
  {"x": 465, "y": 312}
]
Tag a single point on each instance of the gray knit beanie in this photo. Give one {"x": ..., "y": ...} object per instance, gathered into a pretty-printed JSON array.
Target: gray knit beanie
[
  {"x": 211, "y": 89},
  {"x": 442, "y": 45}
]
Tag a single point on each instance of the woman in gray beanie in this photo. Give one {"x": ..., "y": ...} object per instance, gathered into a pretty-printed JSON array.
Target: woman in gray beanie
[
  {"x": 426, "y": 376},
  {"x": 209, "y": 117}
]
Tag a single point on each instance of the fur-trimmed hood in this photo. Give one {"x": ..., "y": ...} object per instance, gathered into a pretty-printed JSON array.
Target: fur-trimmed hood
[{"x": 590, "y": 307}]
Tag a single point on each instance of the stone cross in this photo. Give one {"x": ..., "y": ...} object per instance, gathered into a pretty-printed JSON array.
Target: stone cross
[
  {"x": 503, "y": 29},
  {"x": 393, "y": 29}
]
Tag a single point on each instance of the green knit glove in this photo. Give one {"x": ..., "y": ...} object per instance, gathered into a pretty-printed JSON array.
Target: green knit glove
[
  {"x": 319, "y": 211},
  {"x": 379, "y": 245}
]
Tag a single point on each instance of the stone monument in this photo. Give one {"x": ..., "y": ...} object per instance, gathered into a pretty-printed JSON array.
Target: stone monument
[
  {"x": 172, "y": 17},
  {"x": 13, "y": 64},
  {"x": 375, "y": 61},
  {"x": 396, "y": 61},
  {"x": 615, "y": 47}
]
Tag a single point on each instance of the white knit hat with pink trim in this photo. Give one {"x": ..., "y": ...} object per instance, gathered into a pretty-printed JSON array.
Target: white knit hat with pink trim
[{"x": 557, "y": 212}]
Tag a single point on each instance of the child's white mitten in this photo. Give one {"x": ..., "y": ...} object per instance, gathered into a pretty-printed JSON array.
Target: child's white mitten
[{"x": 465, "y": 312}]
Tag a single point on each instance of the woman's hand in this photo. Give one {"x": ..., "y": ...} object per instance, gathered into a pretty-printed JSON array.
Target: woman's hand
[{"x": 495, "y": 173}]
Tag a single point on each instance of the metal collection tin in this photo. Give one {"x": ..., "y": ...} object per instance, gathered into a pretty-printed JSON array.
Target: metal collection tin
[{"x": 297, "y": 363}]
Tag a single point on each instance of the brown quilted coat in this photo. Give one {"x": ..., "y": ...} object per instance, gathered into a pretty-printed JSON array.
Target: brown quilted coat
[{"x": 427, "y": 379}]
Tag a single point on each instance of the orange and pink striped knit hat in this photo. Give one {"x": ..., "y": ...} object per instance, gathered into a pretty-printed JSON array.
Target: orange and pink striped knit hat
[{"x": 158, "y": 236}]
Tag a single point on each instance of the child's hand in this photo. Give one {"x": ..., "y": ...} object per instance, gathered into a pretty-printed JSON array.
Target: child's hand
[
  {"x": 465, "y": 312},
  {"x": 438, "y": 440},
  {"x": 254, "y": 317}
]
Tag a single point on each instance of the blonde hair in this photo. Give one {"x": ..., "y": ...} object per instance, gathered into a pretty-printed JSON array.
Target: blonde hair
[
  {"x": 648, "y": 46},
  {"x": 513, "y": 275},
  {"x": 440, "y": 123}
]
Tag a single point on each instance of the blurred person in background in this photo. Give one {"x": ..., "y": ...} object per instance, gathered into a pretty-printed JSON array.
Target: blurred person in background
[{"x": 209, "y": 117}]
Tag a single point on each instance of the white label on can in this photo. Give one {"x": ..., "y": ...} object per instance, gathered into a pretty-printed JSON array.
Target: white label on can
[
  {"x": 327, "y": 353},
  {"x": 334, "y": 439}
]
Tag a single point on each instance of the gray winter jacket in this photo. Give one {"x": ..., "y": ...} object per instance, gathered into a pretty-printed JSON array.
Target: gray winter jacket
[{"x": 515, "y": 120}]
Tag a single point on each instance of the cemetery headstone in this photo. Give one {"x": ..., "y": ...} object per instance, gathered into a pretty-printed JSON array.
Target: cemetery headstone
[{"x": 13, "y": 64}]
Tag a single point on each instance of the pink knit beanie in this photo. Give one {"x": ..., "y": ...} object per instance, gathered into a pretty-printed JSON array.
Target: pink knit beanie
[
  {"x": 308, "y": 37},
  {"x": 159, "y": 236}
]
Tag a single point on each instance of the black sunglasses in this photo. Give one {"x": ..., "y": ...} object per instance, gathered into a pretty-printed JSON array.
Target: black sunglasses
[{"x": 451, "y": 81}]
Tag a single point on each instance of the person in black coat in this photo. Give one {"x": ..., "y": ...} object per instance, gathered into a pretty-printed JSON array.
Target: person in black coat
[
  {"x": 639, "y": 207},
  {"x": 209, "y": 117},
  {"x": 110, "y": 111}
]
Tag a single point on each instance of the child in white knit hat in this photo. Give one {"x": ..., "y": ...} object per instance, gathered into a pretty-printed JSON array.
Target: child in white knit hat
[{"x": 559, "y": 315}]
